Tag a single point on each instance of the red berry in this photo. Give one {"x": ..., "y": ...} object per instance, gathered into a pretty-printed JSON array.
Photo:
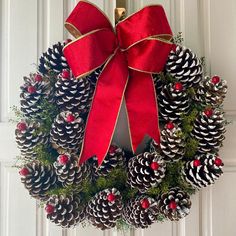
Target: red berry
[
  {"x": 178, "y": 86},
  {"x": 215, "y": 79},
  {"x": 172, "y": 205},
  {"x": 145, "y": 203},
  {"x": 49, "y": 209},
  {"x": 170, "y": 125},
  {"x": 24, "y": 171},
  {"x": 65, "y": 74},
  {"x": 38, "y": 78},
  {"x": 218, "y": 161},
  {"x": 196, "y": 163},
  {"x": 68, "y": 41},
  {"x": 208, "y": 112},
  {"x": 154, "y": 165},
  {"x": 21, "y": 126},
  {"x": 111, "y": 197},
  {"x": 31, "y": 89},
  {"x": 112, "y": 149},
  {"x": 70, "y": 118},
  {"x": 63, "y": 159}
]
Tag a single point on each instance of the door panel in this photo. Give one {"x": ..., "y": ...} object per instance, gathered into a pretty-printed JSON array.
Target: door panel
[{"x": 27, "y": 29}]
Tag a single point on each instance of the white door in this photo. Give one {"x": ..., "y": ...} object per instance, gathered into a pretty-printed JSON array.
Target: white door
[{"x": 28, "y": 27}]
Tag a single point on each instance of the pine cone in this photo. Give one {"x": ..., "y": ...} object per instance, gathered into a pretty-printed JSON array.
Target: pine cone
[
  {"x": 67, "y": 132},
  {"x": 105, "y": 209},
  {"x": 34, "y": 89},
  {"x": 65, "y": 211},
  {"x": 211, "y": 91},
  {"x": 173, "y": 102},
  {"x": 158, "y": 83},
  {"x": 38, "y": 179},
  {"x": 185, "y": 66},
  {"x": 141, "y": 212},
  {"x": 69, "y": 172},
  {"x": 28, "y": 136},
  {"x": 175, "y": 204},
  {"x": 72, "y": 94},
  {"x": 53, "y": 60},
  {"x": 93, "y": 77},
  {"x": 172, "y": 145},
  {"x": 203, "y": 171},
  {"x": 145, "y": 171},
  {"x": 208, "y": 130},
  {"x": 113, "y": 160}
]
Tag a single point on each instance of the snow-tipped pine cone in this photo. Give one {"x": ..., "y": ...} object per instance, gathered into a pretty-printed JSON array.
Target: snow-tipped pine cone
[
  {"x": 93, "y": 77},
  {"x": 65, "y": 211},
  {"x": 174, "y": 204},
  {"x": 211, "y": 91},
  {"x": 38, "y": 179},
  {"x": 172, "y": 145},
  {"x": 28, "y": 137},
  {"x": 53, "y": 60},
  {"x": 33, "y": 91},
  {"x": 72, "y": 94},
  {"x": 69, "y": 172},
  {"x": 203, "y": 170},
  {"x": 209, "y": 129},
  {"x": 67, "y": 132},
  {"x": 105, "y": 208},
  {"x": 114, "y": 159},
  {"x": 141, "y": 212},
  {"x": 185, "y": 66},
  {"x": 173, "y": 101},
  {"x": 145, "y": 171},
  {"x": 158, "y": 83}
]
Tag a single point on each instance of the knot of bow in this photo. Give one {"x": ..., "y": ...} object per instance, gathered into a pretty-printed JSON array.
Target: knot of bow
[{"x": 138, "y": 47}]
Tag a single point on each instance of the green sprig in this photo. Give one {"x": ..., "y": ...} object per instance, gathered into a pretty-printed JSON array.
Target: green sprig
[
  {"x": 45, "y": 154},
  {"x": 178, "y": 38}
]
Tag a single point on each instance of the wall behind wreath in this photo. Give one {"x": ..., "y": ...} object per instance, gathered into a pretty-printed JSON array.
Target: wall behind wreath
[{"x": 28, "y": 27}]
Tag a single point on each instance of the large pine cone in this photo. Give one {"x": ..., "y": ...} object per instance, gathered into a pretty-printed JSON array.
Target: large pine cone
[
  {"x": 140, "y": 212},
  {"x": 185, "y": 66},
  {"x": 65, "y": 211},
  {"x": 208, "y": 130},
  {"x": 28, "y": 136},
  {"x": 114, "y": 159},
  {"x": 69, "y": 172},
  {"x": 34, "y": 89},
  {"x": 53, "y": 60},
  {"x": 172, "y": 145},
  {"x": 175, "y": 204},
  {"x": 211, "y": 91},
  {"x": 38, "y": 179},
  {"x": 203, "y": 171},
  {"x": 145, "y": 171},
  {"x": 67, "y": 132},
  {"x": 173, "y": 102},
  {"x": 72, "y": 94},
  {"x": 105, "y": 209}
]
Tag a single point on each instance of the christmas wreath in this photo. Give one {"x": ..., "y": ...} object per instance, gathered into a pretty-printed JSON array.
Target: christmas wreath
[{"x": 68, "y": 112}]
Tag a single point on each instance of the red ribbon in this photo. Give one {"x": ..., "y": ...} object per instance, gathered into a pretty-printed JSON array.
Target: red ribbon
[{"x": 139, "y": 47}]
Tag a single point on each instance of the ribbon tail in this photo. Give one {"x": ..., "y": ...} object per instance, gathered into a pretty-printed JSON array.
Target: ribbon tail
[
  {"x": 105, "y": 108},
  {"x": 142, "y": 108}
]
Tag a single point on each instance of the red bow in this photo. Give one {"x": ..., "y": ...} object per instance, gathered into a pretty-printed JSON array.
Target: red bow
[{"x": 139, "y": 47}]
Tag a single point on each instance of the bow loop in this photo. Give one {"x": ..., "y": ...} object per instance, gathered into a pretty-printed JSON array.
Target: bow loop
[
  {"x": 148, "y": 23},
  {"x": 144, "y": 35},
  {"x": 86, "y": 18},
  {"x": 96, "y": 51}
]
